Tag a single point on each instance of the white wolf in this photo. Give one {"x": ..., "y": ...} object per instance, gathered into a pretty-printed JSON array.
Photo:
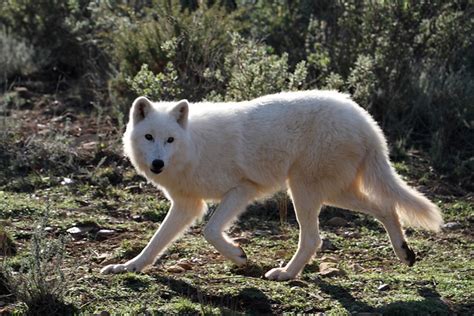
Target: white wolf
[{"x": 320, "y": 145}]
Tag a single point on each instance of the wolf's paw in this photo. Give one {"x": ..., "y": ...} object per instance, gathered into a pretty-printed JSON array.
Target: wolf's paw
[
  {"x": 121, "y": 268},
  {"x": 238, "y": 256},
  {"x": 410, "y": 257},
  {"x": 279, "y": 274}
]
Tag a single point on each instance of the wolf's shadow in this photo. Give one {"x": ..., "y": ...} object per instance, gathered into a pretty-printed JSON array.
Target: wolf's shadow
[
  {"x": 432, "y": 304},
  {"x": 249, "y": 300}
]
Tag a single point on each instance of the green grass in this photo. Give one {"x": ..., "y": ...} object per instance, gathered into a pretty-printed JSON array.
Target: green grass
[{"x": 440, "y": 283}]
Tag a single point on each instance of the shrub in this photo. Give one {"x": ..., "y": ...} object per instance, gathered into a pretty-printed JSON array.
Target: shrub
[
  {"x": 7, "y": 245},
  {"x": 407, "y": 63},
  {"x": 49, "y": 26},
  {"x": 162, "y": 86},
  {"x": 177, "y": 48},
  {"x": 16, "y": 56},
  {"x": 251, "y": 70},
  {"x": 40, "y": 283}
]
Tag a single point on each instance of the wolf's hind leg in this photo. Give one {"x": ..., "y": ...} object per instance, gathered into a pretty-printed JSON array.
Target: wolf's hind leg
[
  {"x": 180, "y": 216},
  {"x": 307, "y": 205},
  {"x": 233, "y": 203},
  {"x": 387, "y": 215}
]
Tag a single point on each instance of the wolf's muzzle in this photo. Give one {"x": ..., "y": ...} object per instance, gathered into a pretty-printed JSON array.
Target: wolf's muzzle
[{"x": 157, "y": 166}]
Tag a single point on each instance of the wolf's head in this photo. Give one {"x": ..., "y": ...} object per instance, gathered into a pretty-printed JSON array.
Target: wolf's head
[{"x": 156, "y": 137}]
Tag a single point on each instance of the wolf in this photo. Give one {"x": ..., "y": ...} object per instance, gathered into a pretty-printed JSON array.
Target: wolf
[{"x": 319, "y": 145}]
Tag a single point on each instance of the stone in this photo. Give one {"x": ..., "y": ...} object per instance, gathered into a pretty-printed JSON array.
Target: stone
[
  {"x": 330, "y": 259},
  {"x": 383, "y": 287},
  {"x": 241, "y": 240},
  {"x": 452, "y": 225},
  {"x": 176, "y": 269},
  {"x": 137, "y": 218},
  {"x": 185, "y": 265},
  {"x": 331, "y": 272},
  {"x": 105, "y": 232},
  {"x": 78, "y": 232},
  {"x": 326, "y": 265},
  {"x": 327, "y": 245},
  {"x": 356, "y": 267},
  {"x": 67, "y": 181},
  {"x": 329, "y": 269},
  {"x": 350, "y": 234}
]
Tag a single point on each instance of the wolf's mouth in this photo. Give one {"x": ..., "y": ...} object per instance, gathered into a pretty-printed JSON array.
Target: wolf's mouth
[
  {"x": 157, "y": 166},
  {"x": 156, "y": 171}
]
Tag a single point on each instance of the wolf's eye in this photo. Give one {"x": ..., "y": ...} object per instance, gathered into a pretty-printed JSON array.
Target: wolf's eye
[
  {"x": 170, "y": 140},
  {"x": 149, "y": 137}
]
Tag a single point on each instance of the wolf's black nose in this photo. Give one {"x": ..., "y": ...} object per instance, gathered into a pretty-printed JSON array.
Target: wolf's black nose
[{"x": 157, "y": 165}]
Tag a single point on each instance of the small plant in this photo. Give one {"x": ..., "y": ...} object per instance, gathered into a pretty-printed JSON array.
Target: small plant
[
  {"x": 40, "y": 283},
  {"x": 16, "y": 56},
  {"x": 7, "y": 246},
  {"x": 161, "y": 86},
  {"x": 253, "y": 70}
]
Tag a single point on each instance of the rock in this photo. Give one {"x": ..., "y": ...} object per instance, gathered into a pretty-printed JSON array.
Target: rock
[
  {"x": 242, "y": 240},
  {"x": 327, "y": 245},
  {"x": 104, "y": 233},
  {"x": 383, "y": 287},
  {"x": 101, "y": 257},
  {"x": 330, "y": 259},
  {"x": 260, "y": 232},
  {"x": 23, "y": 92},
  {"x": 350, "y": 234},
  {"x": 452, "y": 225},
  {"x": 329, "y": 269},
  {"x": 75, "y": 230},
  {"x": 326, "y": 265},
  {"x": 137, "y": 218},
  {"x": 134, "y": 188},
  {"x": 185, "y": 265},
  {"x": 356, "y": 267},
  {"x": 176, "y": 269},
  {"x": 337, "y": 222},
  {"x": 78, "y": 232},
  {"x": 331, "y": 272},
  {"x": 67, "y": 181},
  {"x": 316, "y": 296},
  {"x": 48, "y": 229}
]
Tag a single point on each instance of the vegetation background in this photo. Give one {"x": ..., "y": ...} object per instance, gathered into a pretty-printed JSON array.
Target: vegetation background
[{"x": 70, "y": 69}]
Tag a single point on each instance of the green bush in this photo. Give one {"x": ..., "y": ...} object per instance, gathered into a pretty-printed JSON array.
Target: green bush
[
  {"x": 178, "y": 48},
  {"x": 409, "y": 63},
  {"x": 250, "y": 70},
  {"x": 16, "y": 56},
  {"x": 40, "y": 284}
]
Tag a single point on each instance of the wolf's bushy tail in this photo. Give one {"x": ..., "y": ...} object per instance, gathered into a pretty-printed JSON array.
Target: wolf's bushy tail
[{"x": 386, "y": 187}]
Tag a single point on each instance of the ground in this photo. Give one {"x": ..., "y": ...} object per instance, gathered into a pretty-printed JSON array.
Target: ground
[{"x": 115, "y": 212}]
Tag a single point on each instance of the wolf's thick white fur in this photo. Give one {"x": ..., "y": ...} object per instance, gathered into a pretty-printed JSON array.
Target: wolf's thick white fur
[{"x": 320, "y": 145}]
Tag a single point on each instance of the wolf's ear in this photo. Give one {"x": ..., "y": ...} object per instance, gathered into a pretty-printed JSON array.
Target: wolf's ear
[
  {"x": 180, "y": 112},
  {"x": 140, "y": 109}
]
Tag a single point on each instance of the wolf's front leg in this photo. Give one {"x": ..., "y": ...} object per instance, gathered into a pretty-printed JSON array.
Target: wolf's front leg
[
  {"x": 231, "y": 206},
  {"x": 181, "y": 215}
]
